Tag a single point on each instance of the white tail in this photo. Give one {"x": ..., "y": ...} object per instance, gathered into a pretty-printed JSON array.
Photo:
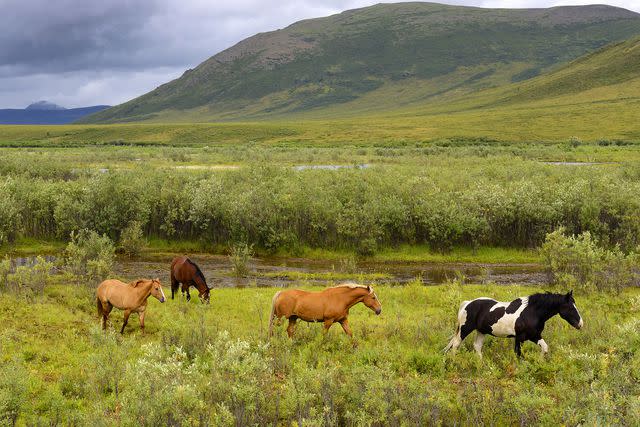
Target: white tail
[{"x": 456, "y": 340}]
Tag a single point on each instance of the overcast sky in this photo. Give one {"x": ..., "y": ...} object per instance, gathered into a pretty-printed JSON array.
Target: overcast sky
[{"x": 88, "y": 52}]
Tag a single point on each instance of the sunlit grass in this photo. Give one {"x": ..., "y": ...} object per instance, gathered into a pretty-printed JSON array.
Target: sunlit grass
[{"x": 56, "y": 338}]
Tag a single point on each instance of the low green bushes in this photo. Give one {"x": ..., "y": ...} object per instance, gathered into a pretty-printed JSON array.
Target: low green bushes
[
  {"x": 577, "y": 261},
  {"x": 132, "y": 239},
  {"x": 474, "y": 202},
  {"x": 89, "y": 256}
]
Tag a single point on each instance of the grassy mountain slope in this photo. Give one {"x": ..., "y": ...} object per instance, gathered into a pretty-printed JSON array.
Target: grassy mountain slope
[{"x": 431, "y": 51}]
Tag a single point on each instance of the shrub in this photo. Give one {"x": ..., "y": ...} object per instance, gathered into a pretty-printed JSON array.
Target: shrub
[
  {"x": 577, "y": 261},
  {"x": 132, "y": 239},
  {"x": 89, "y": 256},
  {"x": 13, "y": 392},
  {"x": 348, "y": 264},
  {"x": 9, "y": 213},
  {"x": 367, "y": 247},
  {"x": 575, "y": 142},
  {"x": 5, "y": 269},
  {"x": 31, "y": 278},
  {"x": 239, "y": 257}
]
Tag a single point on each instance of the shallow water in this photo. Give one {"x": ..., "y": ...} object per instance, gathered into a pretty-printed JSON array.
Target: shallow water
[
  {"x": 265, "y": 271},
  {"x": 218, "y": 271}
]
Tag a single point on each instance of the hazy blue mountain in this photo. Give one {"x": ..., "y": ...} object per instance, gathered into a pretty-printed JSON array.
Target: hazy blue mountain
[
  {"x": 34, "y": 114},
  {"x": 44, "y": 105}
]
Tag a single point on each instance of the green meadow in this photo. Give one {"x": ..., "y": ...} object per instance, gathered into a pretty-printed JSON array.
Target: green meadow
[
  {"x": 214, "y": 365},
  {"x": 407, "y": 190}
]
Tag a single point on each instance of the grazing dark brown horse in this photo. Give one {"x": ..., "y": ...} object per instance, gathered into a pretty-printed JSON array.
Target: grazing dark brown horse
[
  {"x": 185, "y": 271},
  {"x": 329, "y": 306},
  {"x": 130, "y": 297}
]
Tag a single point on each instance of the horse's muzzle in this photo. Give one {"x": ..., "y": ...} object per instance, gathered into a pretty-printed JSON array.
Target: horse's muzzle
[
  {"x": 163, "y": 299},
  {"x": 378, "y": 311}
]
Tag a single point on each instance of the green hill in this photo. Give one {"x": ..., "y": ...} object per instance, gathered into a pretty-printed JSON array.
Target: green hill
[{"x": 378, "y": 59}]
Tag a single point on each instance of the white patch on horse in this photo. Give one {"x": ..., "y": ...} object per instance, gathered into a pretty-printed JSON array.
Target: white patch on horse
[
  {"x": 581, "y": 323},
  {"x": 506, "y": 325},
  {"x": 462, "y": 315}
]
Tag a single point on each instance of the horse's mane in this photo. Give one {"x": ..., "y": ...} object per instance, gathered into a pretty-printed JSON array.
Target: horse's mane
[
  {"x": 198, "y": 272},
  {"x": 352, "y": 286},
  {"x": 546, "y": 299}
]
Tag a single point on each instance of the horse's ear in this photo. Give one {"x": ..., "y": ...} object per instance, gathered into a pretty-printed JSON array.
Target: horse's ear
[
  {"x": 369, "y": 288},
  {"x": 570, "y": 294}
]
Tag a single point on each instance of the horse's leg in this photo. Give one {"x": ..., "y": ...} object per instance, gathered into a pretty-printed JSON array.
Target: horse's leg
[
  {"x": 141, "y": 314},
  {"x": 106, "y": 309},
  {"x": 127, "y": 313},
  {"x": 292, "y": 326},
  {"x": 345, "y": 326},
  {"x": 478, "y": 342},
  {"x": 543, "y": 345},
  {"x": 517, "y": 347},
  {"x": 185, "y": 288},
  {"x": 327, "y": 324}
]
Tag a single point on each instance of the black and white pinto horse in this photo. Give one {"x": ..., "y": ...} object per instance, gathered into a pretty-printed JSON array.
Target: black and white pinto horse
[{"x": 522, "y": 319}]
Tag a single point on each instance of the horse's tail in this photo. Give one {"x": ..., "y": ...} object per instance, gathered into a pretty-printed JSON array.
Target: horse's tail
[
  {"x": 99, "y": 305},
  {"x": 453, "y": 340},
  {"x": 456, "y": 339},
  {"x": 273, "y": 312}
]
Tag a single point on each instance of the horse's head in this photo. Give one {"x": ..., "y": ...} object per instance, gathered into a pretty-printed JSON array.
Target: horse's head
[
  {"x": 156, "y": 290},
  {"x": 569, "y": 312},
  {"x": 205, "y": 296},
  {"x": 371, "y": 300}
]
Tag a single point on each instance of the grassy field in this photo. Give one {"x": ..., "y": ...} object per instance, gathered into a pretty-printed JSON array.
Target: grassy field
[
  {"x": 212, "y": 365},
  {"x": 426, "y": 195}
]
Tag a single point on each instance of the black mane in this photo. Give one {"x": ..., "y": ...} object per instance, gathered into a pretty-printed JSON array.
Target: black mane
[
  {"x": 198, "y": 272},
  {"x": 546, "y": 299}
]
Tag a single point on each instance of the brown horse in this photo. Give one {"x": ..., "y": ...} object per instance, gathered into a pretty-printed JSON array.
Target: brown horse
[
  {"x": 328, "y": 306},
  {"x": 131, "y": 297},
  {"x": 185, "y": 271}
]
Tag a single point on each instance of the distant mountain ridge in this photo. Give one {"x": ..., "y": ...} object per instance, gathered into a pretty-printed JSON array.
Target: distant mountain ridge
[
  {"x": 44, "y": 113},
  {"x": 44, "y": 105},
  {"x": 422, "y": 51}
]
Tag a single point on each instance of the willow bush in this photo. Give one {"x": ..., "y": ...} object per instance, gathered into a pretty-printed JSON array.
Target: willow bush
[
  {"x": 499, "y": 202},
  {"x": 89, "y": 256},
  {"x": 577, "y": 261}
]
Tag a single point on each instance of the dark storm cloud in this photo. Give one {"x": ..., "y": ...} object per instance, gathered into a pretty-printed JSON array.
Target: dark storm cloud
[
  {"x": 42, "y": 36},
  {"x": 78, "y": 52}
]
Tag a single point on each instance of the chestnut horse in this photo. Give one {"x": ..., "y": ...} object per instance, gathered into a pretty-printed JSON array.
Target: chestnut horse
[
  {"x": 131, "y": 297},
  {"x": 185, "y": 271},
  {"x": 329, "y": 306}
]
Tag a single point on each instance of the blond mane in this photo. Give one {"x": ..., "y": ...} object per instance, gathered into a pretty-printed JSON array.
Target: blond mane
[{"x": 354, "y": 286}]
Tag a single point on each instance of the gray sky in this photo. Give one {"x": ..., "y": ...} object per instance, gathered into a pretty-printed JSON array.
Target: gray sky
[{"x": 87, "y": 52}]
